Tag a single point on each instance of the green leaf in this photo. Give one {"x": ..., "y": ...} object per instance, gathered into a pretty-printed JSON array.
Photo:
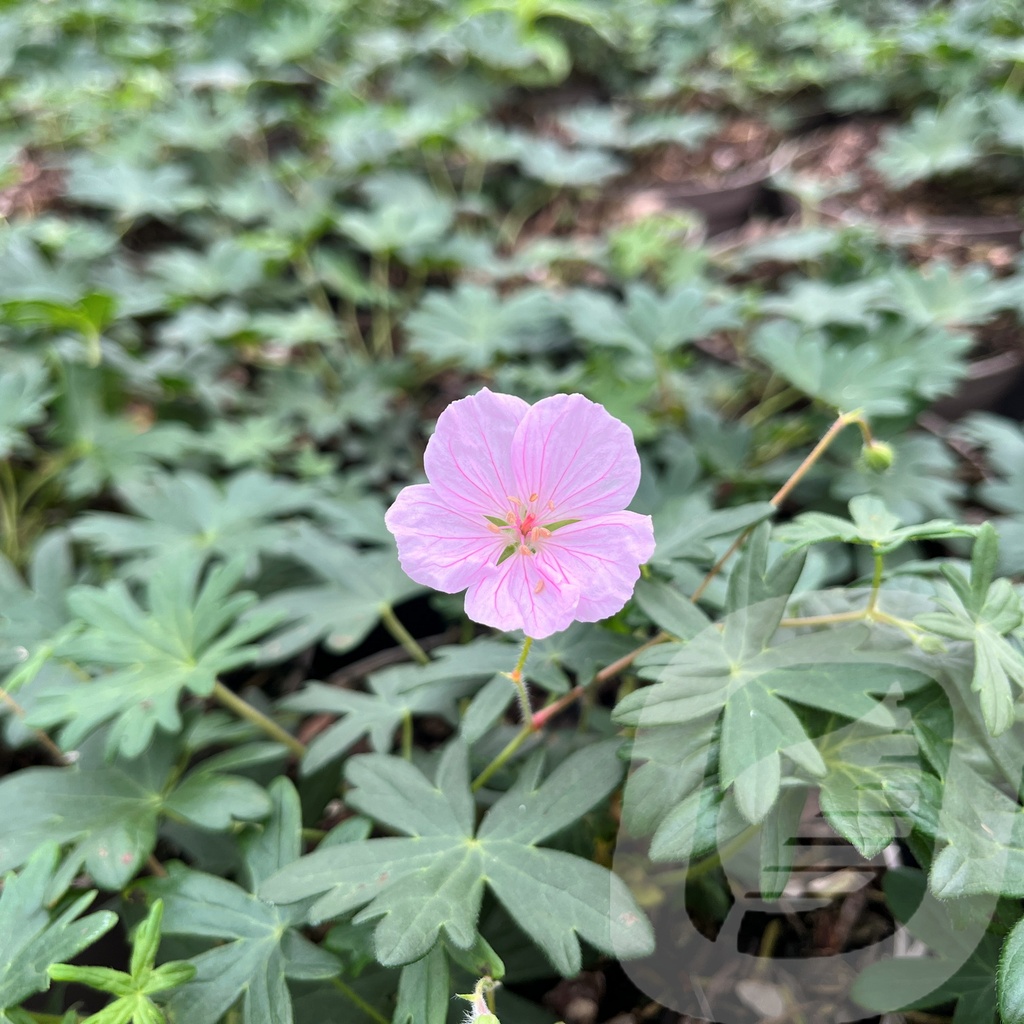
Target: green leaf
[
  {"x": 1011, "y": 977},
  {"x": 649, "y": 323},
  {"x": 873, "y": 783},
  {"x": 24, "y": 392},
  {"x": 392, "y": 697},
  {"x": 472, "y": 325},
  {"x": 342, "y": 609},
  {"x": 934, "y": 142},
  {"x": 816, "y": 303},
  {"x": 739, "y": 668},
  {"x": 186, "y": 635},
  {"x": 983, "y": 613},
  {"x": 430, "y": 885},
  {"x": 258, "y": 945},
  {"x": 844, "y": 377},
  {"x": 131, "y": 191},
  {"x": 963, "y": 969},
  {"x": 870, "y": 523},
  {"x": 30, "y": 939},
  {"x": 177, "y": 515},
  {"x": 110, "y": 814},
  {"x": 132, "y": 989},
  {"x": 424, "y": 990}
]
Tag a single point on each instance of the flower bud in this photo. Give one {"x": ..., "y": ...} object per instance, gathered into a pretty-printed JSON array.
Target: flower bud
[{"x": 877, "y": 456}]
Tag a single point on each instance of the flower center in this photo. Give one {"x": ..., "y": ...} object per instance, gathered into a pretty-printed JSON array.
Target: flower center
[{"x": 524, "y": 526}]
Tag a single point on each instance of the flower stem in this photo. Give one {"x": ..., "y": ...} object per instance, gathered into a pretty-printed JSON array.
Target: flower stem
[
  {"x": 254, "y": 716},
  {"x": 407, "y": 735},
  {"x": 842, "y": 421},
  {"x": 516, "y": 675},
  {"x": 44, "y": 738},
  {"x": 876, "y": 582},
  {"x": 402, "y": 635},
  {"x": 358, "y": 1001},
  {"x": 507, "y": 751}
]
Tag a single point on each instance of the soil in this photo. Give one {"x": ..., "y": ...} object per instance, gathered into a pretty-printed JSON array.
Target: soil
[
  {"x": 741, "y": 145},
  {"x": 36, "y": 188},
  {"x": 847, "y": 149}
]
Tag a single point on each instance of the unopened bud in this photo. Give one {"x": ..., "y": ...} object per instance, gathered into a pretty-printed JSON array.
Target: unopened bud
[{"x": 877, "y": 456}]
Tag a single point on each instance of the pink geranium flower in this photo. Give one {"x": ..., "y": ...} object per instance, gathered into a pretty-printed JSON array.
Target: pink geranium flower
[{"x": 524, "y": 511}]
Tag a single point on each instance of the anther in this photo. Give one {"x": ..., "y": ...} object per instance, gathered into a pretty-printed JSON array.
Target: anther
[
  {"x": 524, "y": 550},
  {"x": 540, "y": 586},
  {"x": 551, "y": 506},
  {"x": 493, "y": 528},
  {"x": 534, "y": 496}
]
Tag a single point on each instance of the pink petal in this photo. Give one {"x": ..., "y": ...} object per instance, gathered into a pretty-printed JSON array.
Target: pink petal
[
  {"x": 523, "y": 594},
  {"x": 468, "y": 459},
  {"x": 602, "y": 556},
  {"x": 437, "y": 545},
  {"x": 573, "y": 453}
]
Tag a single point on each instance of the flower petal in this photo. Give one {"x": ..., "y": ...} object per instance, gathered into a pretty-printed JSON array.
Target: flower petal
[
  {"x": 438, "y": 546},
  {"x": 573, "y": 453},
  {"x": 468, "y": 459},
  {"x": 602, "y": 556},
  {"x": 523, "y": 594}
]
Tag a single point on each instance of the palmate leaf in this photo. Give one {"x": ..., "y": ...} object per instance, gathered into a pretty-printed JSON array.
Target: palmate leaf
[
  {"x": 177, "y": 515},
  {"x": 226, "y": 268},
  {"x": 24, "y": 392},
  {"x": 818, "y": 303},
  {"x": 341, "y": 609},
  {"x": 962, "y": 967},
  {"x": 109, "y": 449},
  {"x": 874, "y": 784},
  {"x": 187, "y": 633},
  {"x": 430, "y": 885},
  {"x": 131, "y": 191},
  {"x": 870, "y": 523},
  {"x": 133, "y": 988},
  {"x": 257, "y": 946},
  {"x": 934, "y": 142},
  {"x": 33, "y": 611},
  {"x": 742, "y": 673},
  {"x": 30, "y": 938},
  {"x": 472, "y": 325},
  {"x": 844, "y": 377},
  {"x": 649, "y": 323},
  {"x": 431, "y": 689},
  {"x": 984, "y": 613},
  {"x": 109, "y": 815}
]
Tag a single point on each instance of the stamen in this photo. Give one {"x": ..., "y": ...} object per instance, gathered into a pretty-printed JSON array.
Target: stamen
[
  {"x": 534, "y": 496},
  {"x": 524, "y": 550},
  {"x": 493, "y": 528},
  {"x": 540, "y": 586},
  {"x": 510, "y": 518},
  {"x": 514, "y": 500},
  {"x": 541, "y": 531},
  {"x": 551, "y": 506}
]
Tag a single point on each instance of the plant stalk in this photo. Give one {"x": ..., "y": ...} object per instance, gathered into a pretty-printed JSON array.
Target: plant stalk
[{"x": 254, "y": 716}]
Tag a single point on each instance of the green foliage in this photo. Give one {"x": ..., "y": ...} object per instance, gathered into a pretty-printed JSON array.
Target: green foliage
[
  {"x": 870, "y": 523},
  {"x": 250, "y": 252},
  {"x": 31, "y": 938},
  {"x": 133, "y": 988},
  {"x": 186, "y": 635},
  {"x": 258, "y": 945},
  {"x": 431, "y": 883},
  {"x": 983, "y": 613}
]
